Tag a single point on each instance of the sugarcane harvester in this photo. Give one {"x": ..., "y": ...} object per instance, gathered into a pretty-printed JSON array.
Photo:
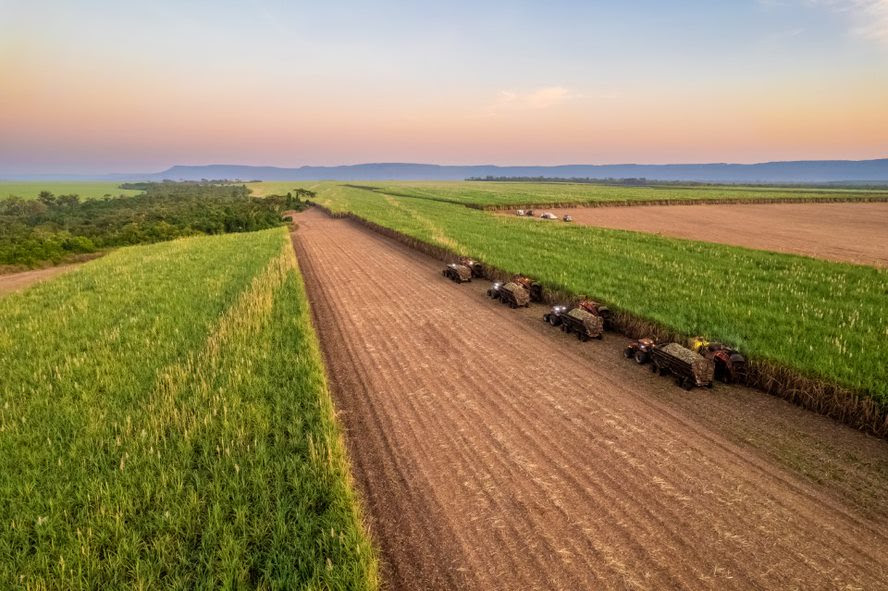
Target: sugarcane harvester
[
  {"x": 476, "y": 267},
  {"x": 730, "y": 365},
  {"x": 598, "y": 309},
  {"x": 457, "y": 273},
  {"x": 689, "y": 369}
]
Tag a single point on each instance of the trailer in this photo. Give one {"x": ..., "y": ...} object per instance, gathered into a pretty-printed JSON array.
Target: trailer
[
  {"x": 533, "y": 288},
  {"x": 457, "y": 273},
  {"x": 514, "y": 295},
  {"x": 689, "y": 369},
  {"x": 583, "y": 324}
]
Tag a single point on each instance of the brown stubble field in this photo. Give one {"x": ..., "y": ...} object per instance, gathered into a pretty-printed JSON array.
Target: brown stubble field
[
  {"x": 494, "y": 452},
  {"x": 848, "y": 232}
]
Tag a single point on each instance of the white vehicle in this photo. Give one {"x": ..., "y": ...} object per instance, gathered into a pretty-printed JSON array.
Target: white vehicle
[
  {"x": 567, "y": 218},
  {"x": 548, "y": 216},
  {"x": 520, "y": 212}
]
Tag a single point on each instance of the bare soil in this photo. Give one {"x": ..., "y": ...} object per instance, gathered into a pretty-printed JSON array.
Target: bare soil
[
  {"x": 16, "y": 281},
  {"x": 849, "y": 232},
  {"x": 494, "y": 452}
]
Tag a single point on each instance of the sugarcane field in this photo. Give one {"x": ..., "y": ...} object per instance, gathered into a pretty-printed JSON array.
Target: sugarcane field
[{"x": 444, "y": 296}]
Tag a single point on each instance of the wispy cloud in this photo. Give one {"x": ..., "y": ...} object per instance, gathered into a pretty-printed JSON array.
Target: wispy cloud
[
  {"x": 868, "y": 18},
  {"x": 541, "y": 98}
]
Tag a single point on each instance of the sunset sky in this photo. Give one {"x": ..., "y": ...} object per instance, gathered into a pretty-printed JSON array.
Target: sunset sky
[{"x": 96, "y": 87}]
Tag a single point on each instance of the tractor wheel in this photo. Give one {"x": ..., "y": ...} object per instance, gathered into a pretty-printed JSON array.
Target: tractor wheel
[
  {"x": 600, "y": 336},
  {"x": 685, "y": 383},
  {"x": 513, "y": 305},
  {"x": 640, "y": 357},
  {"x": 654, "y": 368},
  {"x": 583, "y": 335}
]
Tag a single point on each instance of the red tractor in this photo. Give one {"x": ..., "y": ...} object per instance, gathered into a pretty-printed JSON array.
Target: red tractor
[
  {"x": 640, "y": 350},
  {"x": 730, "y": 365}
]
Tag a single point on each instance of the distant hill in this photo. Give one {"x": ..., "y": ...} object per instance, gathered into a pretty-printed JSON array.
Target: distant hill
[
  {"x": 813, "y": 171},
  {"x": 806, "y": 171}
]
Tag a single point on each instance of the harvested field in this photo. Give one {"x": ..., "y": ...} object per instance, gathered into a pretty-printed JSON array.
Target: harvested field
[
  {"x": 849, "y": 232},
  {"x": 495, "y": 452}
]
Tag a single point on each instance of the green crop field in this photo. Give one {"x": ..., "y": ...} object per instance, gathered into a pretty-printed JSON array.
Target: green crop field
[
  {"x": 86, "y": 189},
  {"x": 165, "y": 423},
  {"x": 505, "y": 194},
  {"x": 826, "y": 320}
]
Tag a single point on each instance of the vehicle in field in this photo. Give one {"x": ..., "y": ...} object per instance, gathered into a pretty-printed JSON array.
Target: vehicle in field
[
  {"x": 534, "y": 288},
  {"x": 554, "y": 316},
  {"x": 567, "y": 218},
  {"x": 689, "y": 369},
  {"x": 730, "y": 365},
  {"x": 640, "y": 350},
  {"x": 598, "y": 309},
  {"x": 457, "y": 273},
  {"x": 510, "y": 293},
  {"x": 476, "y": 267},
  {"x": 583, "y": 324},
  {"x": 548, "y": 216},
  {"x": 520, "y": 212}
]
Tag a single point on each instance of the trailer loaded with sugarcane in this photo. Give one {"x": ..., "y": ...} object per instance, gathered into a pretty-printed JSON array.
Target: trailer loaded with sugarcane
[
  {"x": 577, "y": 321},
  {"x": 457, "y": 273},
  {"x": 730, "y": 365},
  {"x": 689, "y": 369}
]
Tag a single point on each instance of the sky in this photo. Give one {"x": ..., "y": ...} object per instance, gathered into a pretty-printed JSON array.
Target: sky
[{"x": 96, "y": 87}]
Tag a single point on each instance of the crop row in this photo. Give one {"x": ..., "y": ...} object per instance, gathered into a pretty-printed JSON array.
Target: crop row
[
  {"x": 165, "y": 422},
  {"x": 825, "y": 321}
]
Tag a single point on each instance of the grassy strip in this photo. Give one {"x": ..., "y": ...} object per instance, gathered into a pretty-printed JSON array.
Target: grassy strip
[
  {"x": 824, "y": 321},
  {"x": 504, "y": 195},
  {"x": 166, "y": 424},
  {"x": 86, "y": 189}
]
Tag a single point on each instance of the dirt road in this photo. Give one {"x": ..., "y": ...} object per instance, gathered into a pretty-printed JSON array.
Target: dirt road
[
  {"x": 495, "y": 453},
  {"x": 15, "y": 281},
  {"x": 850, "y": 232}
]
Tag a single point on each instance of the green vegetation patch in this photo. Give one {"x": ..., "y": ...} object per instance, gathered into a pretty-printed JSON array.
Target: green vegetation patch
[
  {"x": 165, "y": 423},
  {"x": 827, "y": 320},
  {"x": 85, "y": 189}
]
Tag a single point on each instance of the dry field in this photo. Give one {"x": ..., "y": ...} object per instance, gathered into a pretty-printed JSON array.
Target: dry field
[
  {"x": 849, "y": 232},
  {"x": 494, "y": 452}
]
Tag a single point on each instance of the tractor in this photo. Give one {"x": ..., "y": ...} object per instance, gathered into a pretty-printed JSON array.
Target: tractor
[
  {"x": 640, "y": 350},
  {"x": 555, "y": 315},
  {"x": 457, "y": 273},
  {"x": 730, "y": 365}
]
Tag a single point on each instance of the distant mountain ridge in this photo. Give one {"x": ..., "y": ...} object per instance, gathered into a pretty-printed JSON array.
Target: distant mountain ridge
[{"x": 802, "y": 171}]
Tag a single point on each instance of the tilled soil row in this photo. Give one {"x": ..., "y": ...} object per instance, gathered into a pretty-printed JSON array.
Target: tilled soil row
[{"x": 491, "y": 454}]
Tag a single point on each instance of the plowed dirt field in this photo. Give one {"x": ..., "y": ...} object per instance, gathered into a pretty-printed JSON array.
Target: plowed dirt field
[
  {"x": 849, "y": 232},
  {"x": 493, "y": 452}
]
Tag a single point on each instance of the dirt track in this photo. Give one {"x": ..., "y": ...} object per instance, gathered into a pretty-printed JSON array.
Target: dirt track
[
  {"x": 15, "y": 281},
  {"x": 850, "y": 232},
  {"x": 495, "y": 453}
]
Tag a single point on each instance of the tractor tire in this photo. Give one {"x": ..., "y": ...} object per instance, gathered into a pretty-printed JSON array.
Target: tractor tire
[
  {"x": 640, "y": 357},
  {"x": 513, "y": 305},
  {"x": 654, "y": 368},
  {"x": 583, "y": 335},
  {"x": 685, "y": 383},
  {"x": 600, "y": 336}
]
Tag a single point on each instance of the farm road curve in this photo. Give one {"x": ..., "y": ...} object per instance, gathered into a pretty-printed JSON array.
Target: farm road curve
[{"x": 492, "y": 452}]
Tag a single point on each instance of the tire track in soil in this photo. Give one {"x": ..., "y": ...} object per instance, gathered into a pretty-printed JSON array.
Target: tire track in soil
[{"x": 491, "y": 454}]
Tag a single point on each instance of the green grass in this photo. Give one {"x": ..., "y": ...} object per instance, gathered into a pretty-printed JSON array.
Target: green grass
[
  {"x": 165, "y": 423},
  {"x": 503, "y": 194},
  {"x": 826, "y": 320},
  {"x": 86, "y": 189}
]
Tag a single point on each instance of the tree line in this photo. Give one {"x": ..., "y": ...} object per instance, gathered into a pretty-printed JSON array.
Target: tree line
[{"x": 53, "y": 229}]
